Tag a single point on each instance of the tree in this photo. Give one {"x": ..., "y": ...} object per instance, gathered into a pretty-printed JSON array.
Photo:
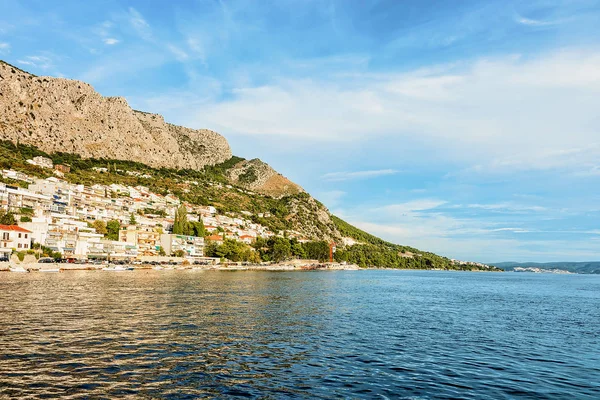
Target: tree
[
  {"x": 297, "y": 249},
  {"x": 282, "y": 250},
  {"x": 317, "y": 250},
  {"x": 7, "y": 218},
  {"x": 132, "y": 220},
  {"x": 113, "y": 228},
  {"x": 100, "y": 227},
  {"x": 179, "y": 253},
  {"x": 181, "y": 225},
  {"x": 197, "y": 228},
  {"x": 161, "y": 251},
  {"x": 210, "y": 248}
]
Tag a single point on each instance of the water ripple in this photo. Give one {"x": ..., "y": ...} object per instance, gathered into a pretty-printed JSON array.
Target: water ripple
[{"x": 374, "y": 334}]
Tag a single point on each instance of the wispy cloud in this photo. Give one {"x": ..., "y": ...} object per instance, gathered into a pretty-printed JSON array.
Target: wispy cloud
[
  {"x": 42, "y": 62},
  {"x": 452, "y": 239},
  {"x": 197, "y": 47},
  {"x": 110, "y": 41},
  {"x": 511, "y": 112},
  {"x": 139, "y": 24},
  {"x": 179, "y": 54},
  {"x": 4, "y": 48},
  {"x": 536, "y": 22},
  {"x": 515, "y": 230},
  {"x": 410, "y": 206},
  {"x": 508, "y": 207},
  {"x": 352, "y": 175}
]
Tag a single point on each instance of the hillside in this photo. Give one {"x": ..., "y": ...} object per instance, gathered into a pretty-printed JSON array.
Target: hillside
[
  {"x": 105, "y": 141},
  {"x": 588, "y": 267},
  {"x": 295, "y": 214}
]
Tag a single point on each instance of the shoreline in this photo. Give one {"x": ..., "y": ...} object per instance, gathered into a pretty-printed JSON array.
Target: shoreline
[{"x": 37, "y": 267}]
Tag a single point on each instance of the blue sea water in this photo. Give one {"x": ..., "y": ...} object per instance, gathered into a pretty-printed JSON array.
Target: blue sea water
[{"x": 345, "y": 334}]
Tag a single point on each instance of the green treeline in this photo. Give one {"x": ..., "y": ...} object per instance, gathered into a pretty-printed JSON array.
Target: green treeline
[{"x": 274, "y": 249}]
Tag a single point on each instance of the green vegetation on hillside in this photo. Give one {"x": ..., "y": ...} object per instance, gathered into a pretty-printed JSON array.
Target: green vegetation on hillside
[{"x": 211, "y": 186}]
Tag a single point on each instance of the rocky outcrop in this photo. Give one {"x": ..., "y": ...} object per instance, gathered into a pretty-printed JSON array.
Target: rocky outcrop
[
  {"x": 313, "y": 219},
  {"x": 63, "y": 115},
  {"x": 258, "y": 176}
]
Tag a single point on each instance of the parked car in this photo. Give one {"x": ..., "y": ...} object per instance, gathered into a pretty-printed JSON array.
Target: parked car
[{"x": 46, "y": 260}]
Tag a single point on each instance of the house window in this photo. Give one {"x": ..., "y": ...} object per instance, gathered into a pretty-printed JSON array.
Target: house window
[
  {"x": 19, "y": 236},
  {"x": 25, "y": 236},
  {"x": 19, "y": 245},
  {"x": 25, "y": 245},
  {"x": 5, "y": 236}
]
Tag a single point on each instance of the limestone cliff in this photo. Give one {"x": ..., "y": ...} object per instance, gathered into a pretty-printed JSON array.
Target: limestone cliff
[
  {"x": 260, "y": 177},
  {"x": 63, "y": 115}
]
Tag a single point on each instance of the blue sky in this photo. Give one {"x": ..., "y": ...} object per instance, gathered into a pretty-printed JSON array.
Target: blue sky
[{"x": 467, "y": 128}]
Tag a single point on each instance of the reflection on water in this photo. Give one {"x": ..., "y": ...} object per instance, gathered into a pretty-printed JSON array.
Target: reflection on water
[{"x": 301, "y": 334}]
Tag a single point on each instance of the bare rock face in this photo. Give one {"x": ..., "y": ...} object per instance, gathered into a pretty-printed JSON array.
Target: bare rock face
[
  {"x": 63, "y": 115},
  {"x": 260, "y": 177}
]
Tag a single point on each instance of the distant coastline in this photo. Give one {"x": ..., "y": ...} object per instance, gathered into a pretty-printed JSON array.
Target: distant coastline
[{"x": 583, "y": 267}]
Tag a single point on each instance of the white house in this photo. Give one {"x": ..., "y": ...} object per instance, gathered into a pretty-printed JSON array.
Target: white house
[{"x": 13, "y": 237}]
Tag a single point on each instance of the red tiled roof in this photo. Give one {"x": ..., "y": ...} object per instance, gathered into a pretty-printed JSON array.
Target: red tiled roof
[
  {"x": 14, "y": 228},
  {"x": 215, "y": 238}
]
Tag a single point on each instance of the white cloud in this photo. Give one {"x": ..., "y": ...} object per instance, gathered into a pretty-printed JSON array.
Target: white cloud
[
  {"x": 42, "y": 62},
  {"x": 346, "y": 175},
  {"x": 474, "y": 241},
  {"x": 498, "y": 114},
  {"x": 507, "y": 207},
  {"x": 198, "y": 48},
  {"x": 110, "y": 41},
  {"x": 4, "y": 48},
  {"x": 139, "y": 24},
  {"x": 179, "y": 54},
  {"x": 515, "y": 230},
  {"x": 536, "y": 22},
  {"x": 411, "y": 206}
]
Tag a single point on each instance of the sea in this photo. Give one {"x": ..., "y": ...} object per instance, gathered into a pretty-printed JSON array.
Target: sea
[{"x": 313, "y": 334}]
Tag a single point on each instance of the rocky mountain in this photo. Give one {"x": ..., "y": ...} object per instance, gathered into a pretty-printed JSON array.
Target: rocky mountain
[
  {"x": 64, "y": 115},
  {"x": 259, "y": 176},
  {"x": 69, "y": 122}
]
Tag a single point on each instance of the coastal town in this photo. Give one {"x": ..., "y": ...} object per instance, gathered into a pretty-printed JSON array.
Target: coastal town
[{"x": 110, "y": 223}]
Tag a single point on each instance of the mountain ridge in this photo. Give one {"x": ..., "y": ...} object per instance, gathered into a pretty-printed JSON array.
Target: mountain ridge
[
  {"x": 64, "y": 115},
  {"x": 69, "y": 122}
]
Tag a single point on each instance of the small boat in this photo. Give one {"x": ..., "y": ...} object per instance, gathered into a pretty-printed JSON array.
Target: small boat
[
  {"x": 50, "y": 270},
  {"x": 157, "y": 267},
  {"x": 18, "y": 269}
]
